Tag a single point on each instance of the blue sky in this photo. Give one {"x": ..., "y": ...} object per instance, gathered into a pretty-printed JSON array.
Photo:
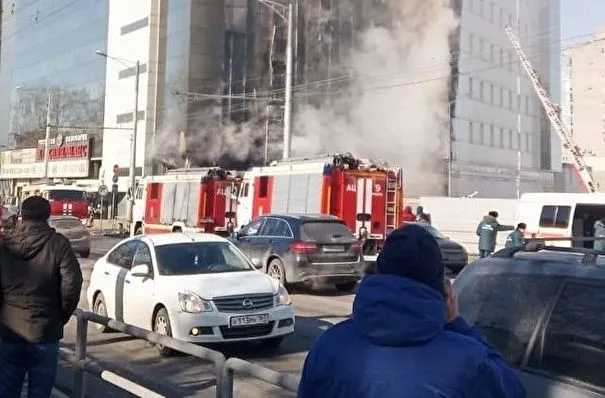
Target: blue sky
[{"x": 579, "y": 18}]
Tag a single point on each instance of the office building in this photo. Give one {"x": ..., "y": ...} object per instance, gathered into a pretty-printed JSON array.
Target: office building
[{"x": 48, "y": 48}]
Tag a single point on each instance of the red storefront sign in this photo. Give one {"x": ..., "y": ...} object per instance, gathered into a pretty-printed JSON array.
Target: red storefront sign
[{"x": 70, "y": 148}]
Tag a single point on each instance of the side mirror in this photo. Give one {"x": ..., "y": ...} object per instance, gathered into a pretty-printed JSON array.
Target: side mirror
[{"x": 140, "y": 271}]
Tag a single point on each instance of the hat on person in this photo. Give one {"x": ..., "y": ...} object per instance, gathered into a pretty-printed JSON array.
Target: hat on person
[
  {"x": 35, "y": 208},
  {"x": 412, "y": 252}
]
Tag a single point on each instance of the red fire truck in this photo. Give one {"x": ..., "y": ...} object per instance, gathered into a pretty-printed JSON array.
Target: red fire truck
[
  {"x": 64, "y": 199},
  {"x": 367, "y": 196},
  {"x": 194, "y": 200}
]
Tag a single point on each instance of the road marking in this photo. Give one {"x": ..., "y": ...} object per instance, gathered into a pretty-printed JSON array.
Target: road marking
[{"x": 128, "y": 385}]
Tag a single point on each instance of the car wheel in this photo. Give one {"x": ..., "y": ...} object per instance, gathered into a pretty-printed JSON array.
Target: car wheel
[
  {"x": 161, "y": 325},
  {"x": 273, "y": 342},
  {"x": 99, "y": 308},
  {"x": 276, "y": 270},
  {"x": 85, "y": 254},
  {"x": 346, "y": 287}
]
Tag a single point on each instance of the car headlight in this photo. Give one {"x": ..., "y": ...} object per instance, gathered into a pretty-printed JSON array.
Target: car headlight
[
  {"x": 191, "y": 302},
  {"x": 282, "y": 297}
]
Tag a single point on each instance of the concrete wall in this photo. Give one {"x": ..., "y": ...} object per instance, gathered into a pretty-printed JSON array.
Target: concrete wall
[{"x": 458, "y": 217}]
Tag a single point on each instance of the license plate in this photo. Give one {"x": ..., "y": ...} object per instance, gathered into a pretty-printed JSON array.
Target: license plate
[
  {"x": 248, "y": 320},
  {"x": 334, "y": 249}
]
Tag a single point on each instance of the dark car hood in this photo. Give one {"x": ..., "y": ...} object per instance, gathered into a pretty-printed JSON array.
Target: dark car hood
[{"x": 449, "y": 244}]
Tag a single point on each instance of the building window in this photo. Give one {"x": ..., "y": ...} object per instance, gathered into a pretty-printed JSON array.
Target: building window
[
  {"x": 491, "y": 94},
  {"x": 470, "y": 87},
  {"x": 492, "y": 50},
  {"x": 510, "y": 138},
  {"x": 482, "y": 133},
  {"x": 481, "y": 51},
  {"x": 132, "y": 71},
  {"x": 501, "y": 17},
  {"x": 481, "y": 8},
  {"x": 127, "y": 117},
  {"x": 471, "y": 46},
  {"x": 471, "y": 127},
  {"x": 481, "y": 88},
  {"x": 502, "y": 95},
  {"x": 501, "y": 132},
  {"x": 527, "y": 99},
  {"x": 510, "y": 100},
  {"x": 501, "y": 57},
  {"x": 136, "y": 25}
]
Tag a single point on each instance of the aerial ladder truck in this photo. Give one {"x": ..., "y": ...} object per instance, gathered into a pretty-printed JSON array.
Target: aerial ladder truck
[{"x": 553, "y": 115}]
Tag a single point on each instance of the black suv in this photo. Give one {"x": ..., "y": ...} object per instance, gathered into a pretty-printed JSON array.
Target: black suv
[
  {"x": 303, "y": 249},
  {"x": 544, "y": 309}
]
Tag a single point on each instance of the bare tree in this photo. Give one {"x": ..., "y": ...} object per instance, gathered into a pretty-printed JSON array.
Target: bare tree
[{"x": 69, "y": 107}]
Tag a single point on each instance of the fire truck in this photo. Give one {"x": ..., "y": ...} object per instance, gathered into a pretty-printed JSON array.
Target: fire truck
[
  {"x": 366, "y": 195},
  {"x": 64, "y": 199},
  {"x": 187, "y": 200}
]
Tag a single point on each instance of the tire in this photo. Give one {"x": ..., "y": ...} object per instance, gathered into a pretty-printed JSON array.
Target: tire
[
  {"x": 85, "y": 254},
  {"x": 276, "y": 270},
  {"x": 273, "y": 342},
  {"x": 161, "y": 325},
  {"x": 346, "y": 287},
  {"x": 99, "y": 308}
]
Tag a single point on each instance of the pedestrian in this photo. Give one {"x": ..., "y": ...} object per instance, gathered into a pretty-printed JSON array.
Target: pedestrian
[
  {"x": 405, "y": 337},
  {"x": 407, "y": 215},
  {"x": 422, "y": 216},
  {"x": 517, "y": 237},
  {"x": 599, "y": 232},
  {"x": 41, "y": 280},
  {"x": 487, "y": 230}
]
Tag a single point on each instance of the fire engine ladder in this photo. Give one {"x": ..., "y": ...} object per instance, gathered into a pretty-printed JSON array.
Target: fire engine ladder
[
  {"x": 392, "y": 197},
  {"x": 554, "y": 117}
]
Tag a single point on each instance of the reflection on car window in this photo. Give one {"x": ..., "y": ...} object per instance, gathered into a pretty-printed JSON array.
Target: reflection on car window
[
  {"x": 507, "y": 308},
  {"x": 254, "y": 227},
  {"x": 123, "y": 254},
  {"x": 143, "y": 255},
  {"x": 269, "y": 227},
  {"x": 67, "y": 194},
  {"x": 200, "y": 258},
  {"x": 574, "y": 342}
]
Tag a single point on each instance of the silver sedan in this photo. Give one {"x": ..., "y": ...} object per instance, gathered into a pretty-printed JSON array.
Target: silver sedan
[{"x": 73, "y": 229}]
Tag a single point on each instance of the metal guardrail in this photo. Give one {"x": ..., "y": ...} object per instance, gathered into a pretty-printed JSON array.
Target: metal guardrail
[{"x": 224, "y": 368}]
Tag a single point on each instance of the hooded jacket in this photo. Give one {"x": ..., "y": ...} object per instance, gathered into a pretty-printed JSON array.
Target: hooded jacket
[
  {"x": 487, "y": 230},
  {"x": 397, "y": 345},
  {"x": 41, "y": 281},
  {"x": 407, "y": 215},
  {"x": 599, "y": 232},
  {"x": 514, "y": 239}
]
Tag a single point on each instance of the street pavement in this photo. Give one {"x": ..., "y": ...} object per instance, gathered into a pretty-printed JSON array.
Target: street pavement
[{"x": 185, "y": 376}]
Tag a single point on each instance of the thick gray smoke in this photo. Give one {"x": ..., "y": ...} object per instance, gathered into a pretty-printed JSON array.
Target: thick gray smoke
[{"x": 396, "y": 105}]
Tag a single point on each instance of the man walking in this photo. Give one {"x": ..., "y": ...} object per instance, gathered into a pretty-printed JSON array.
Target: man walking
[
  {"x": 517, "y": 237},
  {"x": 406, "y": 337},
  {"x": 487, "y": 230},
  {"x": 41, "y": 280}
]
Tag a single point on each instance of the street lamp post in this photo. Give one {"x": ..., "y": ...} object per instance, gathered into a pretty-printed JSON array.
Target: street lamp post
[
  {"x": 133, "y": 140},
  {"x": 280, "y": 9}
]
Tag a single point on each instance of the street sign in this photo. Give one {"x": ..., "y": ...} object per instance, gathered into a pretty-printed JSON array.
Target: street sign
[
  {"x": 114, "y": 179},
  {"x": 114, "y": 188},
  {"x": 103, "y": 191}
]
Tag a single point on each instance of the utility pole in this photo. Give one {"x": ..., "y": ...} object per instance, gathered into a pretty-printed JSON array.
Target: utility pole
[
  {"x": 133, "y": 145},
  {"x": 289, "y": 81},
  {"x": 519, "y": 124},
  {"x": 47, "y": 135}
]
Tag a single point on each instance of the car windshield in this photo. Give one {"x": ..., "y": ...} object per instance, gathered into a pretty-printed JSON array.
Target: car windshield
[
  {"x": 325, "y": 231},
  {"x": 66, "y": 194},
  {"x": 200, "y": 258}
]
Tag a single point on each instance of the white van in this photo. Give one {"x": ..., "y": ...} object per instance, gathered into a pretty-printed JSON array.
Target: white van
[{"x": 557, "y": 215}]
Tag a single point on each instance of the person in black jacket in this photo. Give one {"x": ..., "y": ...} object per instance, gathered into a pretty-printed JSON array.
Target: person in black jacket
[{"x": 41, "y": 280}]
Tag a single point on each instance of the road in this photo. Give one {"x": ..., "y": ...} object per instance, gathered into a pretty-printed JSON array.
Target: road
[{"x": 185, "y": 376}]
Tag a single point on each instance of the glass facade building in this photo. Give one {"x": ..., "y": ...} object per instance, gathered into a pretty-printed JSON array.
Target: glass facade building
[{"x": 48, "y": 46}]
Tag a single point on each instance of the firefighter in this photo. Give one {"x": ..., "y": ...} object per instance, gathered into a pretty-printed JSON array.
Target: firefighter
[
  {"x": 422, "y": 216},
  {"x": 487, "y": 230},
  {"x": 407, "y": 215},
  {"x": 517, "y": 237}
]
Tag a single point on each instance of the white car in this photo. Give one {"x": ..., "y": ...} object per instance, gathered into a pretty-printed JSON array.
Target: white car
[{"x": 195, "y": 287}]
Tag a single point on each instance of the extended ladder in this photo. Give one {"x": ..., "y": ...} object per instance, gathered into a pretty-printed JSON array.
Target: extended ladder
[
  {"x": 554, "y": 117},
  {"x": 393, "y": 190}
]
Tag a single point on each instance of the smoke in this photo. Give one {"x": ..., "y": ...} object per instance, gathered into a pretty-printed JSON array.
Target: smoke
[{"x": 395, "y": 107}]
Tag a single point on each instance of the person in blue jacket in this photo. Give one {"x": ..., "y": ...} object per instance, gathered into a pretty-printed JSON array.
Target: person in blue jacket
[{"x": 405, "y": 338}]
